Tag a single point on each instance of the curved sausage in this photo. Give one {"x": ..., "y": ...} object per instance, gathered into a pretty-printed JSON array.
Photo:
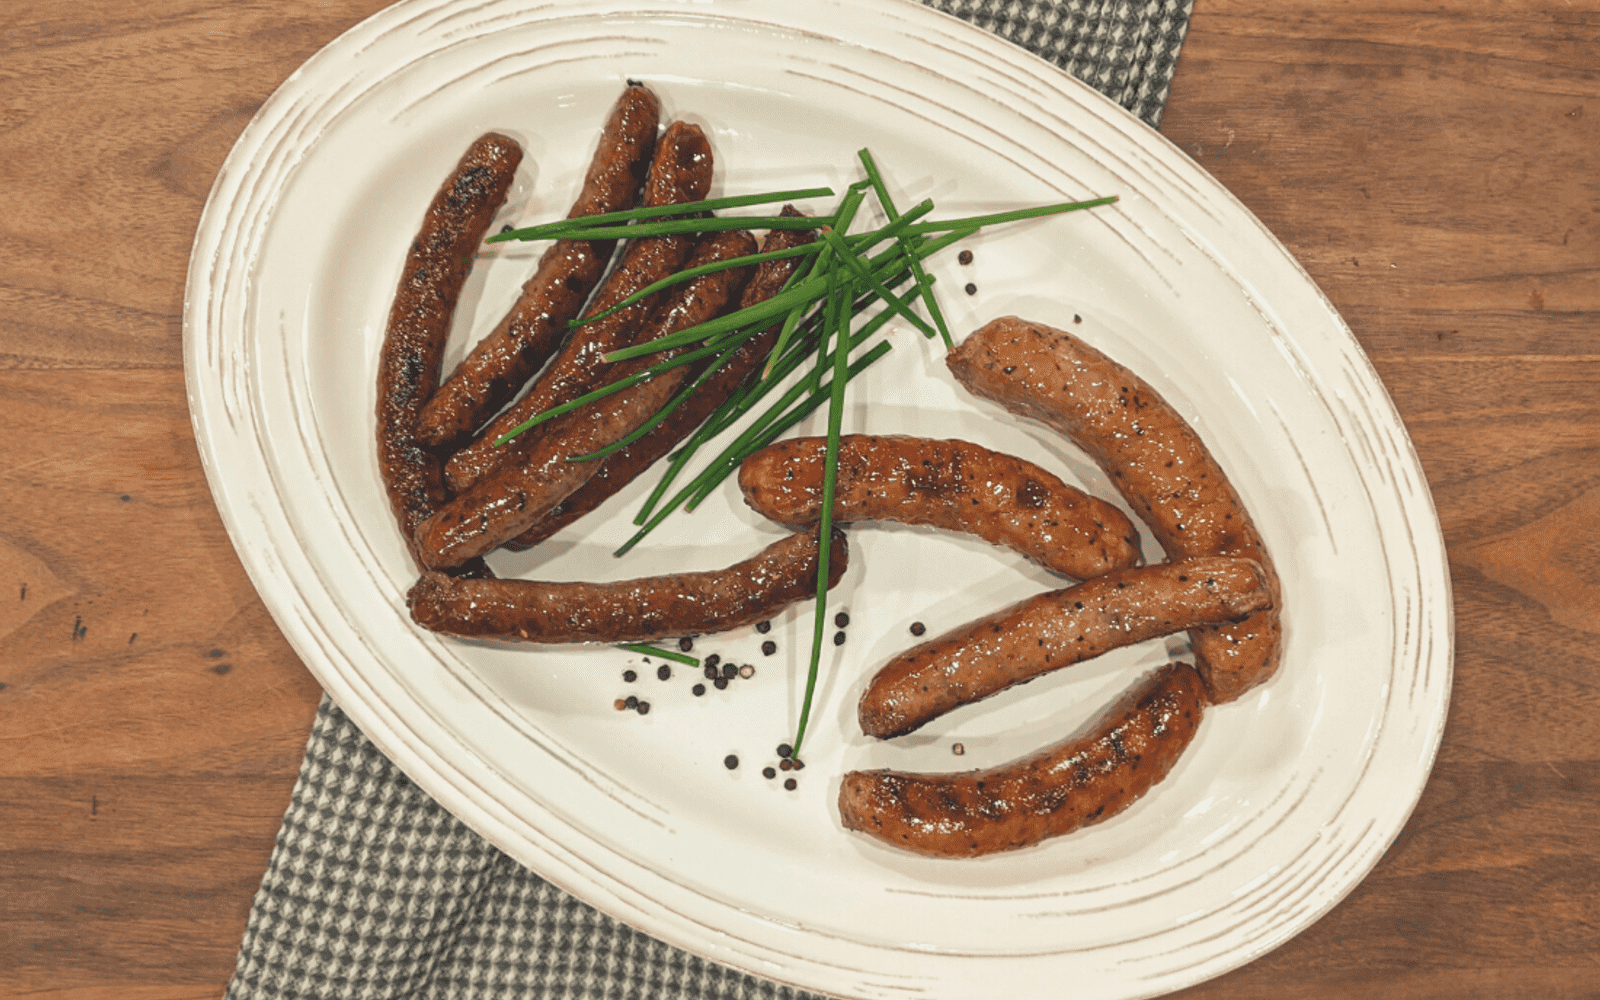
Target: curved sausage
[
  {"x": 953, "y": 485},
  {"x": 680, "y": 171},
  {"x": 620, "y": 469},
  {"x": 643, "y": 610},
  {"x": 1153, "y": 457},
  {"x": 518, "y": 494},
  {"x": 431, "y": 280},
  {"x": 499, "y": 364},
  {"x": 1061, "y": 789},
  {"x": 1055, "y": 630}
]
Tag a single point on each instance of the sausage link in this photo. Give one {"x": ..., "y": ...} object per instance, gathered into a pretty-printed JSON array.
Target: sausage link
[
  {"x": 953, "y": 485},
  {"x": 1056, "y": 791},
  {"x": 642, "y": 610},
  {"x": 679, "y": 172},
  {"x": 1154, "y": 458},
  {"x": 620, "y": 469},
  {"x": 1055, "y": 630},
  {"x": 499, "y": 364},
  {"x": 517, "y": 495},
  {"x": 434, "y": 272}
]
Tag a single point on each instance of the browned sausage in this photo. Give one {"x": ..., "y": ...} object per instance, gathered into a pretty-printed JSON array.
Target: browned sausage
[
  {"x": 620, "y": 469},
  {"x": 953, "y": 485},
  {"x": 680, "y": 171},
  {"x": 502, "y": 362},
  {"x": 642, "y": 610},
  {"x": 434, "y": 272},
  {"x": 518, "y": 494},
  {"x": 1062, "y": 788},
  {"x": 1056, "y": 630},
  {"x": 1153, "y": 457}
]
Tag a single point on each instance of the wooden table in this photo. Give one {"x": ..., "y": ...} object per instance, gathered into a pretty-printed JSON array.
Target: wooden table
[{"x": 1435, "y": 168}]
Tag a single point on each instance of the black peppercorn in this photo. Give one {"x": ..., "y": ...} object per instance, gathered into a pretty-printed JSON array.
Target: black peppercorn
[
  {"x": 644, "y": 708},
  {"x": 730, "y": 671},
  {"x": 964, "y": 257},
  {"x": 663, "y": 672},
  {"x": 721, "y": 683},
  {"x": 841, "y": 619},
  {"x": 917, "y": 628},
  {"x": 769, "y": 772},
  {"x": 629, "y": 676},
  {"x": 791, "y": 784},
  {"x": 698, "y": 689},
  {"x": 786, "y": 764},
  {"x": 710, "y": 672},
  {"x": 763, "y": 627},
  {"x": 785, "y": 749},
  {"x": 713, "y": 660},
  {"x": 769, "y": 647},
  {"x": 632, "y": 702},
  {"x": 838, "y": 638},
  {"x": 686, "y": 644},
  {"x": 730, "y": 762},
  {"x": 799, "y": 764}
]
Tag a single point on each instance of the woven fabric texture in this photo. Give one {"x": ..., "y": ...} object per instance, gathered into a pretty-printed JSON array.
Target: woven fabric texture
[{"x": 375, "y": 892}]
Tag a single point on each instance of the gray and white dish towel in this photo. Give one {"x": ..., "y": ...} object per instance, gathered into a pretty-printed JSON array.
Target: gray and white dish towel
[{"x": 375, "y": 892}]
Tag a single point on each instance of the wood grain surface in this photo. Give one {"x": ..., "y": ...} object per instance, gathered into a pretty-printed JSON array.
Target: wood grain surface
[{"x": 1435, "y": 167}]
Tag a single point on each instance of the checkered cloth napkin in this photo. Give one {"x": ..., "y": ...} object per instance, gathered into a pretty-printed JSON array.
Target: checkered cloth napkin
[{"x": 375, "y": 892}]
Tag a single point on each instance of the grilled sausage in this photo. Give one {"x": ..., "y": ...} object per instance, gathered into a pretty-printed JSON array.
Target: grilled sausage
[
  {"x": 434, "y": 272},
  {"x": 953, "y": 485},
  {"x": 631, "y": 611},
  {"x": 517, "y": 495},
  {"x": 502, "y": 362},
  {"x": 1153, "y": 457},
  {"x": 680, "y": 171},
  {"x": 620, "y": 469},
  {"x": 1061, "y": 789},
  {"x": 1055, "y": 630}
]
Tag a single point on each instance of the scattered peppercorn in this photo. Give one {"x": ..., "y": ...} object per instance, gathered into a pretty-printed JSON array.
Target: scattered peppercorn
[
  {"x": 507, "y": 228},
  {"x": 629, "y": 676},
  {"x": 957, "y": 749},
  {"x": 721, "y": 683},
  {"x": 786, "y": 764},
  {"x": 1076, "y": 318},
  {"x": 842, "y": 619},
  {"x": 791, "y": 784},
  {"x": 763, "y": 627},
  {"x": 730, "y": 671},
  {"x": 686, "y": 644},
  {"x": 769, "y": 772},
  {"x": 713, "y": 660},
  {"x": 799, "y": 764},
  {"x": 747, "y": 671},
  {"x": 710, "y": 671},
  {"x": 769, "y": 647},
  {"x": 698, "y": 689},
  {"x": 964, "y": 256},
  {"x": 838, "y": 638},
  {"x": 632, "y": 702},
  {"x": 785, "y": 749},
  {"x": 644, "y": 708},
  {"x": 619, "y": 704},
  {"x": 971, "y": 288},
  {"x": 917, "y": 628},
  {"x": 663, "y": 672},
  {"x": 731, "y": 762}
]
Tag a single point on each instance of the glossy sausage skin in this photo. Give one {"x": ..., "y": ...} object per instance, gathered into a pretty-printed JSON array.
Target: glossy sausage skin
[
  {"x": 680, "y": 171},
  {"x": 519, "y": 494},
  {"x": 641, "y": 610},
  {"x": 500, "y": 363},
  {"x": 1055, "y": 630},
  {"x": 953, "y": 485},
  {"x": 1153, "y": 457},
  {"x": 435, "y": 269},
  {"x": 620, "y": 469},
  {"x": 1063, "y": 788}
]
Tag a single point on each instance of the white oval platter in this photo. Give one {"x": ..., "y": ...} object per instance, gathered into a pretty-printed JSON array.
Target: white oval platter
[{"x": 1288, "y": 797}]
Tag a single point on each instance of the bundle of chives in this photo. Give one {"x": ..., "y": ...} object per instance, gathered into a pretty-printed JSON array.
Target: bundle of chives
[{"x": 835, "y": 284}]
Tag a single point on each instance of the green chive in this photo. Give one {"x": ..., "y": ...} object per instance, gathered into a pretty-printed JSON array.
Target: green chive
[
  {"x": 555, "y": 230},
  {"x": 665, "y": 654}
]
